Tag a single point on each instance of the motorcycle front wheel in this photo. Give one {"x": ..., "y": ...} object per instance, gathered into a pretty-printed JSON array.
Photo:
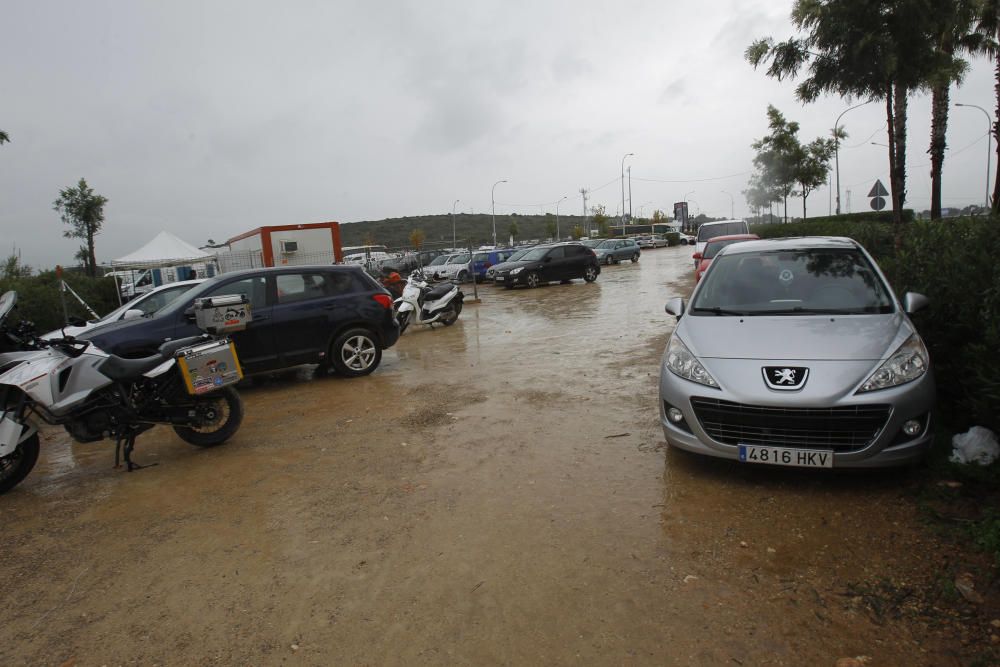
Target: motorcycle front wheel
[
  {"x": 15, "y": 466},
  {"x": 219, "y": 415}
]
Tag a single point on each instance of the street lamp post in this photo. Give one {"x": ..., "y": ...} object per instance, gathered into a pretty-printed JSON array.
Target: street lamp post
[
  {"x": 732, "y": 206},
  {"x": 493, "y": 202},
  {"x": 836, "y": 146},
  {"x": 989, "y": 131},
  {"x": 453, "y": 222},
  {"x": 558, "y": 236},
  {"x": 623, "y": 191}
]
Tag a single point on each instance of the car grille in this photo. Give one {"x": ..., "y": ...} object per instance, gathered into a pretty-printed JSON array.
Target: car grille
[{"x": 842, "y": 429}]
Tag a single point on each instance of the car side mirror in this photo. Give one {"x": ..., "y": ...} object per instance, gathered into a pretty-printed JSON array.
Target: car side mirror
[
  {"x": 697, "y": 255},
  {"x": 548, "y": 259},
  {"x": 189, "y": 313},
  {"x": 913, "y": 302},
  {"x": 675, "y": 307},
  {"x": 76, "y": 321},
  {"x": 132, "y": 313}
]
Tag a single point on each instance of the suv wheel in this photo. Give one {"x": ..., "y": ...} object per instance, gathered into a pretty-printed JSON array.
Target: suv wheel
[
  {"x": 635, "y": 258},
  {"x": 590, "y": 274},
  {"x": 532, "y": 279},
  {"x": 355, "y": 352}
]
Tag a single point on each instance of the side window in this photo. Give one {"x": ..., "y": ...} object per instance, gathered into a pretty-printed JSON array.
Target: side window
[
  {"x": 253, "y": 288},
  {"x": 294, "y": 287},
  {"x": 557, "y": 253},
  {"x": 158, "y": 300},
  {"x": 343, "y": 282}
]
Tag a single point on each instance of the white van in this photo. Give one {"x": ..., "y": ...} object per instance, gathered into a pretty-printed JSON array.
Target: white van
[{"x": 709, "y": 230}]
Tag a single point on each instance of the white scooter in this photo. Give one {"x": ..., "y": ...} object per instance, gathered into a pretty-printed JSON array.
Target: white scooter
[{"x": 424, "y": 304}]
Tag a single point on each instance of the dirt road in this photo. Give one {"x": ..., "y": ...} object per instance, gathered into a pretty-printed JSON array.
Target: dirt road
[{"x": 497, "y": 493}]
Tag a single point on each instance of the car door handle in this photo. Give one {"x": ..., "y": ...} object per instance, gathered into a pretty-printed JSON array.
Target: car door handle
[
  {"x": 260, "y": 318},
  {"x": 329, "y": 306}
]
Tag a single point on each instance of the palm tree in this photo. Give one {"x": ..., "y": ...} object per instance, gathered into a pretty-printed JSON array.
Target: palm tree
[
  {"x": 953, "y": 34},
  {"x": 988, "y": 25},
  {"x": 858, "y": 49}
]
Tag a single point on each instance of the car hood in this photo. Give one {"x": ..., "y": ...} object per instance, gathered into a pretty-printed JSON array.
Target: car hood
[{"x": 832, "y": 338}]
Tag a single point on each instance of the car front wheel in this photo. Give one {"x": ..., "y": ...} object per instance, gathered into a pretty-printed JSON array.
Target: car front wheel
[
  {"x": 355, "y": 352},
  {"x": 533, "y": 279},
  {"x": 635, "y": 258}
]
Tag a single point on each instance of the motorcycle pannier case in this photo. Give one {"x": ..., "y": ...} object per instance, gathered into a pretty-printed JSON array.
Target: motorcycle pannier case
[
  {"x": 209, "y": 366},
  {"x": 220, "y": 315}
]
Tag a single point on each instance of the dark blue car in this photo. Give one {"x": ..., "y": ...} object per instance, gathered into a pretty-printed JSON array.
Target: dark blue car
[{"x": 336, "y": 316}]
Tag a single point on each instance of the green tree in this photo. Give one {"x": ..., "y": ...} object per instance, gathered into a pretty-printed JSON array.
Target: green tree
[
  {"x": 13, "y": 269},
  {"x": 512, "y": 229},
  {"x": 779, "y": 155},
  {"x": 813, "y": 167},
  {"x": 550, "y": 228},
  {"x": 600, "y": 218},
  {"x": 83, "y": 210},
  {"x": 417, "y": 237},
  {"x": 869, "y": 49},
  {"x": 577, "y": 232},
  {"x": 4, "y": 138}
]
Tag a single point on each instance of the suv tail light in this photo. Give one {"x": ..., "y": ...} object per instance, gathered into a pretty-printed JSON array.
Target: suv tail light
[{"x": 384, "y": 300}]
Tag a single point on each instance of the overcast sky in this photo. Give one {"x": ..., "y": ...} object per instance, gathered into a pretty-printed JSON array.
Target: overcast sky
[{"x": 209, "y": 119}]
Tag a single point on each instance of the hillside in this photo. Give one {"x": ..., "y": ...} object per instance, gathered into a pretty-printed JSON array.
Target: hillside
[{"x": 395, "y": 232}]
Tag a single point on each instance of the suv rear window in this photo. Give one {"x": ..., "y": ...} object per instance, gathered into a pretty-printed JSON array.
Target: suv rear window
[{"x": 710, "y": 230}]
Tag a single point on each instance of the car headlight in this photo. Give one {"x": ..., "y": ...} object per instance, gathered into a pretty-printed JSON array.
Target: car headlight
[
  {"x": 906, "y": 364},
  {"x": 682, "y": 363},
  {"x": 516, "y": 271}
]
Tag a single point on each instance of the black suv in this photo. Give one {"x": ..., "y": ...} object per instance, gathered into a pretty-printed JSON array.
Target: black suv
[
  {"x": 545, "y": 264},
  {"x": 330, "y": 315}
]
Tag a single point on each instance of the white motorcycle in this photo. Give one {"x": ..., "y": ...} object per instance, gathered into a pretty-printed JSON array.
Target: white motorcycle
[
  {"x": 95, "y": 395},
  {"x": 424, "y": 304}
]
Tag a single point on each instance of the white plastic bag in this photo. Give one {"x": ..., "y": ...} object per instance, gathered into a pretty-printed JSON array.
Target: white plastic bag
[{"x": 977, "y": 445}]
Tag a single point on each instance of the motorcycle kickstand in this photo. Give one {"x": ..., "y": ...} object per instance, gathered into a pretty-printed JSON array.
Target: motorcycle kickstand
[{"x": 130, "y": 465}]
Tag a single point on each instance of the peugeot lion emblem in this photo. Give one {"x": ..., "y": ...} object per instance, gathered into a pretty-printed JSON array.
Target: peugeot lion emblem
[{"x": 787, "y": 378}]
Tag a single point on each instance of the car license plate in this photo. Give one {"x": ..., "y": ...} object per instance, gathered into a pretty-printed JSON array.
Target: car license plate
[
  {"x": 500, "y": 279},
  {"x": 781, "y": 456}
]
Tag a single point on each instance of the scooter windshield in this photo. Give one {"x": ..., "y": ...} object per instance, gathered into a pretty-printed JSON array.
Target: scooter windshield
[{"x": 7, "y": 303}]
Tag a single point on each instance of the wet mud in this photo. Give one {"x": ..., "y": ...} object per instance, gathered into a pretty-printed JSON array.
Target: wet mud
[{"x": 498, "y": 492}]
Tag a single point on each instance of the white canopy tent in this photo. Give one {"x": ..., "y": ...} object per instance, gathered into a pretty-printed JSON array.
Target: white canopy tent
[{"x": 163, "y": 251}]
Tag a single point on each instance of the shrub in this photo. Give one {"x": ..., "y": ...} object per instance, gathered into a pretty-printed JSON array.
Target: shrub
[
  {"x": 38, "y": 297},
  {"x": 673, "y": 238},
  {"x": 954, "y": 263}
]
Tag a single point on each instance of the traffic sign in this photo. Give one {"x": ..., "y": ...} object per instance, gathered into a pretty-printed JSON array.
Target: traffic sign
[
  {"x": 878, "y": 203},
  {"x": 878, "y": 190}
]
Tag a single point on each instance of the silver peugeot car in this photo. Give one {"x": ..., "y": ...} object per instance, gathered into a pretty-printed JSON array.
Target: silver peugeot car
[{"x": 795, "y": 352}]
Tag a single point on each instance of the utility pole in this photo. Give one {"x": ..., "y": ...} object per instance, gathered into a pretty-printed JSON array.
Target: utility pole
[
  {"x": 583, "y": 193},
  {"x": 630, "y": 194}
]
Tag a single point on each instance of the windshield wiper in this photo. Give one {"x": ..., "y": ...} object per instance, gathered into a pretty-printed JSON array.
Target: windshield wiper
[{"x": 720, "y": 311}]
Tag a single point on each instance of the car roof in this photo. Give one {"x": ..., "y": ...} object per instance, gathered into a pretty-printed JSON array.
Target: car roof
[
  {"x": 733, "y": 237},
  {"x": 793, "y": 243}
]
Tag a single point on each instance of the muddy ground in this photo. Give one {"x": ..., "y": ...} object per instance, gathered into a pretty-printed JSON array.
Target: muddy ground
[{"x": 498, "y": 492}]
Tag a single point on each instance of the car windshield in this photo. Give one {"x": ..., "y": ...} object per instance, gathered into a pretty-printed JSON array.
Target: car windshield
[
  {"x": 518, "y": 255},
  {"x": 610, "y": 243},
  {"x": 459, "y": 259},
  {"x": 814, "y": 281},
  {"x": 712, "y": 249},
  {"x": 439, "y": 260},
  {"x": 706, "y": 232},
  {"x": 592, "y": 243}
]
